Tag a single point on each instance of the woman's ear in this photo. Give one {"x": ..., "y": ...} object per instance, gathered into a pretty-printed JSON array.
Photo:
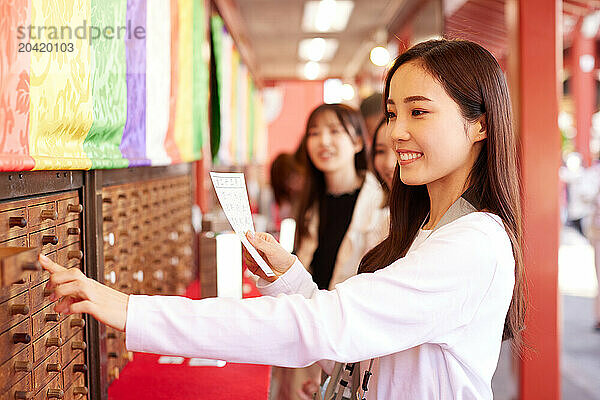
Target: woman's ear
[
  {"x": 480, "y": 129},
  {"x": 358, "y": 145}
]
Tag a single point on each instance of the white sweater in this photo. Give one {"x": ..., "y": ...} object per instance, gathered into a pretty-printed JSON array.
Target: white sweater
[{"x": 434, "y": 319}]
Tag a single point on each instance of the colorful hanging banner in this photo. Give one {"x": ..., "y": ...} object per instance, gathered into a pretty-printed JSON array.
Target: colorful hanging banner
[
  {"x": 14, "y": 87},
  {"x": 109, "y": 86},
  {"x": 133, "y": 144}
]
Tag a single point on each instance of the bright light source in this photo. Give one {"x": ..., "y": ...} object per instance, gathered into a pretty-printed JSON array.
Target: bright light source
[
  {"x": 317, "y": 49},
  {"x": 332, "y": 91},
  {"x": 326, "y": 15},
  {"x": 287, "y": 233},
  {"x": 347, "y": 92},
  {"x": 586, "y": 62},
  {"x": 229, "y": 266},
  {"x": 311, "y": 70},
  {"x": 380, "y": 56}
]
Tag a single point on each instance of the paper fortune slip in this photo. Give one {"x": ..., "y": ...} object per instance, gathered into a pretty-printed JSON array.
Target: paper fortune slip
[{"x": 231, "y": 192}]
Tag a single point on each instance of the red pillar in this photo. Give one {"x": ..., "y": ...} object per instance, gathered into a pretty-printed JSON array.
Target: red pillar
[
  {"x": 583, "y": 90},
  {"x": 534, "y": 59}
]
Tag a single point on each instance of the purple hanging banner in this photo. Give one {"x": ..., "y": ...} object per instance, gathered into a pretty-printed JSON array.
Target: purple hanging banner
[{"x": 133, "y": 144}]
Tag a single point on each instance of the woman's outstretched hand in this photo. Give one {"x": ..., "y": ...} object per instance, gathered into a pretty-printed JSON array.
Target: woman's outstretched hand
[
  {"x": 76, "y": 293},
  {"x": 271, "y": 251}
]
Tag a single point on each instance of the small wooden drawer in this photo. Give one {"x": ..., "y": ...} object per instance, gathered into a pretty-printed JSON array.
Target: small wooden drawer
[
  {"x": 47, "y": 370},
  {"x": 38, "y": 297},
  {"x": 17, "y": 264},
  {"x": 73, "y": 347},
  {"x": 22, "y": 390},
  {"x": 14, "y": 340},
  {"x": 14, "y": 310},
  {"x": 52, "y": 391},
  {"x": 44, "y": 320},
  {"x": 71, "y": 325},
  {"x": 15, "y": 369},
  {"x": 70, "y": 256},
  {"x": 42, "y": 215},
  {"x": 68, "y": 233},
  {"x": 46, "y": 345},
  {"x": 46, "y": 239},
  {"x": 13, "y": 223},
  {"x": 69, "y": 209},
  {"x": 78, "y": 390},
  {"x": 76, "y": 369}
]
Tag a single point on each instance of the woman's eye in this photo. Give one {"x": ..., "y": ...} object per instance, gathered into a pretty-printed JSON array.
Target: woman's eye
[
  {"x": 417, "y": 113},
  {"x": 312, "y": 133},
  {"x": 390, "y": 115}
]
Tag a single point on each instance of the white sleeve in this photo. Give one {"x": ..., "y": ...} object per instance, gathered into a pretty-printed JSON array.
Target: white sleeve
[
  {"x": 296, "y": 280},
  {"x": 432, "y": 292}
]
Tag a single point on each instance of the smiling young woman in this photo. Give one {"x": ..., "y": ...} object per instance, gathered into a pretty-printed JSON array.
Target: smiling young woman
[{"x": 446, "y": 284}]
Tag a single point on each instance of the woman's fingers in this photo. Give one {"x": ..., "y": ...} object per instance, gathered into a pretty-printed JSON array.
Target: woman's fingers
[
  {"x": 50, "y": 265},
  {"x": 64, "y": 276},
  {"x": 74, "y": 288}
]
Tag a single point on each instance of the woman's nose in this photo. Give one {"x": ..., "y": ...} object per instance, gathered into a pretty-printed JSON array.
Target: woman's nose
[{"x": 398, "y": 132}]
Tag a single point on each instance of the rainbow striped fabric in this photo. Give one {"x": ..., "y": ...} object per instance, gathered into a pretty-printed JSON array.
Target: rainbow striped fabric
[{"x": 89, "y": 84}]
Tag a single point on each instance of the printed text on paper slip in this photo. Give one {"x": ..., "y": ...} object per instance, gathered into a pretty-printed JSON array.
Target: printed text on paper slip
[{"x": 231, "y": 192}]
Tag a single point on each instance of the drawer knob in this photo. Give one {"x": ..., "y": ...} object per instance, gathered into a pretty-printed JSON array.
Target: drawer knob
[
  {"x": 21, "y": 222},
  {"x": 31, "y": 266},
  {"x": 75, "y": 254},
  {"x": 19, "y": 309},
  {"x": 23, "y": 395},
  {"x": 55, "y": 394},
  {"x": 52, "y": 317},
  {"x": 73, "y": 231},
  {"x": 53, "y": 367},
  {"x": 77, "y": 323},
  {"x": 107, "y": 200},
  {"x": 75, "y": 208},
  {"x": 80, "y": 368},
  {"x": 78, "y": 345},
  {"x": 109, "y": 257},
  {"x": 50, "y": 239},
  {"x": 122, "y": 214},
  {"x": 54, "y": 342},
  {"x": 22, "y": 366},
  {"x": 111, "y": 335},
  {"x": 112, "y": 354},
  {"x": 49, "y": 214},
  {"x": 21, "y": 338},
  {"x": 80, "y": 391},
  {"x": 107, "y": 218}
]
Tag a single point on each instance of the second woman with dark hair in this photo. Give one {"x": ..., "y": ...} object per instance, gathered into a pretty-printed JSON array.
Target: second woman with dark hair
[{"x": 336, "y": 221}]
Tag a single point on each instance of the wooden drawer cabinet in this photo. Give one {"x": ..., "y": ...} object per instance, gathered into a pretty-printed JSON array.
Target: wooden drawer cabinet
[
  {"x": 70, "y": 256},
  {"x": 68, "y": 232},
  {"x": 17, "y": 264},
  {"x": 38, "y": 296},
  {"x": 75, "y": 369}
]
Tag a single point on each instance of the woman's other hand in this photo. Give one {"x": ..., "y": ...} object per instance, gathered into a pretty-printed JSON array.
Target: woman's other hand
[
  {"x": 76, "y": 293},
  {"x": 308, "y": 391},
  {"x": 271, "y": 251}
]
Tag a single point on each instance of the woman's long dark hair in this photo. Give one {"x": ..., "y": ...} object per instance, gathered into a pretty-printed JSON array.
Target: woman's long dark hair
[
  {"x": 315, "y": 189},
  {"x": 473, "y": 79}
]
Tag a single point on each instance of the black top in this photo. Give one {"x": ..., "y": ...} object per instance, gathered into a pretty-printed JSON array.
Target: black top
[{"x": 335, "y": 214}]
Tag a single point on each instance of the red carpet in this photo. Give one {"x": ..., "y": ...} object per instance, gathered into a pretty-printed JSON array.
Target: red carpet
[{"x": 144, "y": 378}]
